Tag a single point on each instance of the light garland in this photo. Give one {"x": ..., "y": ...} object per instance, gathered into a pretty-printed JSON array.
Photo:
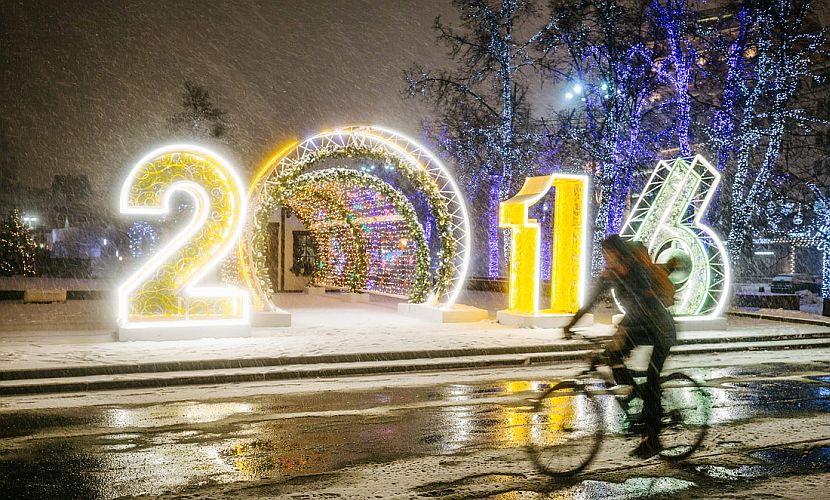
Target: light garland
[
  {"x": 420, "y": 168},
  {"x": 142, "y": 238},
  {"x": 366, "y": 232}
]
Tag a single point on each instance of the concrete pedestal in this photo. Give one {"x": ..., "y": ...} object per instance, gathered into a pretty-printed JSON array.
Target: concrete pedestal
[
  {"x": 352, "y": 297},
  {"x": 270, "y": 318},
  {"x": 187, "y": 332},
  {"x": 510, "y": 318},
  {"x": 315, "y": 290},
  {"x": 458, "y": 313}
]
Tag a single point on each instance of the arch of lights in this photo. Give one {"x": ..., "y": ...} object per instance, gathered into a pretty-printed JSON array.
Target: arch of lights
[
  {"x": 366, "y": 233},
  {"x": 423, "y": 170}
]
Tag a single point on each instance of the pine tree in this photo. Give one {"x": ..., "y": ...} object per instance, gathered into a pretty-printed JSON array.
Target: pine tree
[{"x": 17, "y": 249}]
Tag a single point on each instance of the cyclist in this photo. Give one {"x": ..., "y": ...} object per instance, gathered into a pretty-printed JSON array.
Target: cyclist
[{"x": 640, "y": 290}]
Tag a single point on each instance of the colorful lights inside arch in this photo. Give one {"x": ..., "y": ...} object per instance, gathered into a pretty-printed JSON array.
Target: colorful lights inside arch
[
  {"x": 368, "y": 222},
  {"x": 367, "y": 233}
]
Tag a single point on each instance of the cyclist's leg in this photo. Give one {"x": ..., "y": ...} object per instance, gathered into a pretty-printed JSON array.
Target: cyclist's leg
[
  {"x": 652, "y": 410},
  {"x": 617, "y": 351}
]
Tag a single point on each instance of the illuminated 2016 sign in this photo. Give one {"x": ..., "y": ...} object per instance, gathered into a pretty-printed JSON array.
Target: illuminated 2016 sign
[
  {"x": 569, "y": 255},
  {"x": 667, "y": 219},
  {"x": 163, "y": 291}
]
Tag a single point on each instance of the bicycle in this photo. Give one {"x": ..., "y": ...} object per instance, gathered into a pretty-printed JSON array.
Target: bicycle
[{"x": 568, "y": 424}]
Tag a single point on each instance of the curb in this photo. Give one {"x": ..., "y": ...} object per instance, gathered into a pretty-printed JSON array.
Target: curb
[
  {"x": 223, "y": 364},
  {"x": 259, "y": 373},
  {"x": 372, "y": 357},
  {"x": 782, "y": 319},
  {"x": 273, "y": 375}
]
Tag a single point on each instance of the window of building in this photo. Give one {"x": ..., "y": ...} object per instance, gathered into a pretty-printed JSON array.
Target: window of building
[{"x": 305, "y": 254}]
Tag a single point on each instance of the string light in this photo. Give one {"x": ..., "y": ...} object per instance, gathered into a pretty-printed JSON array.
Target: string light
[
  {"x": 17, "y": 249},
  {"x": 421, "y": 170},
  {"x": 366, "y": 233}
]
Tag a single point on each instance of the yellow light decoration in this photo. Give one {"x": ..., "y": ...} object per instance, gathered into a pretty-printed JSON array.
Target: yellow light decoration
[
  {"x": 569, "y": 266},
  {"x": 162, "y": 291}
]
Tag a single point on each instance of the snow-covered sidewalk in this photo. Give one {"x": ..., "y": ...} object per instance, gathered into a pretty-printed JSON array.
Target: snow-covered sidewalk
[{"x": 326, "y": 328}]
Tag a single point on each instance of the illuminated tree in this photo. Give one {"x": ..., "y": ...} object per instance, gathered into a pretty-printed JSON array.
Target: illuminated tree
[
  {"x": 769, "y": 62},
  {"x": 610, "y": 115},
  {"x": 486, "y": 124},
  {"x": 17, "y": 249},
  {"x": 677, "y": 59}
]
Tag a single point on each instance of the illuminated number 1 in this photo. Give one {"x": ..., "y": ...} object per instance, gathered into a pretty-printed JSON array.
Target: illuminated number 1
[
  {"x": 163, "y": 290},
  {"x": 569, "y": 255},
  {"x": 667, "y": 219}
]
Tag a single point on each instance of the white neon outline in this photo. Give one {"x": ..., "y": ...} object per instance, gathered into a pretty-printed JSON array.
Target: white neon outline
[
  {"x": 202, "y": 199},
  {"x": 697, "y": 223},
  {"x": 528, "y": 202},
  {"x": 465, "y": 258}
]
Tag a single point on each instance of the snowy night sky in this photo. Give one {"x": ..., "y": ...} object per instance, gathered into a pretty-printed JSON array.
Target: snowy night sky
[{"x": 88, "y": 86}]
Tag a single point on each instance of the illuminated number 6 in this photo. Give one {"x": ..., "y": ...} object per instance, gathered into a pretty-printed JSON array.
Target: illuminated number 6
[
  {"x": 569, "y": 263},
  {"x": 163, "y": 291},
  {"x": 667, "y": 219}
]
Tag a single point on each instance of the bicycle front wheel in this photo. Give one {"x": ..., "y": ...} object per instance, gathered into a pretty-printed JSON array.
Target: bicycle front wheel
[
  {"x": 686, "y": 412},
  {"x": 566, "y": 429}
]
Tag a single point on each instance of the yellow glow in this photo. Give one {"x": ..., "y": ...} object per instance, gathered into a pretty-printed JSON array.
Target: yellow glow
[
  {"x": 162, "y": 290},
  {"x": 263, "y": 172},
  {"x": 569, "y": 266},
  {"x": 569, "y": 234}
]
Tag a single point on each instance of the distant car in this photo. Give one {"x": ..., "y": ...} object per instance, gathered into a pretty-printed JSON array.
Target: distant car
[{"x": 791, "y": 283}]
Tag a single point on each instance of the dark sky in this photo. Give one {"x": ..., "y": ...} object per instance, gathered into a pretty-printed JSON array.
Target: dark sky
[{"x": 87, "y": 86}]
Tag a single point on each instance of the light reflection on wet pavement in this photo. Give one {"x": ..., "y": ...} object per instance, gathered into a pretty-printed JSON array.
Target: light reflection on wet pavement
[{"x": 106, "y": 452}]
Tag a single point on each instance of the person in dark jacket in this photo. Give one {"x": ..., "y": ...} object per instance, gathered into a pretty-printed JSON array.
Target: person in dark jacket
[{"x": 630, "y": 274}]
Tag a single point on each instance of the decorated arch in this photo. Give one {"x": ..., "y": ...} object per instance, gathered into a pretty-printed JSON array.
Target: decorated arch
[{"x": 367, "y": 232}]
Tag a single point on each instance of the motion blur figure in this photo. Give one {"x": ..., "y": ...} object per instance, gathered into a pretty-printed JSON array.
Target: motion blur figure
[{"x": 643, "y": 291}]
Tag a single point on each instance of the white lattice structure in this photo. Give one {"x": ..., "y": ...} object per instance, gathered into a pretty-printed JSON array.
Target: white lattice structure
[
  {"x": 425, "y": 166},
  {"x": 668, "y": 220}
]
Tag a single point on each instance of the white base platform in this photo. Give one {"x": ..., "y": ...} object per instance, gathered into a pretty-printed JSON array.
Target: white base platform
[
  {"x": 352, "y": 297},
  {"x": 315, "y": 290},
  {"x": 189, "y": 332},
  {"x": 270, "y": 318},
  {"x": 687, "y": 325},
  {"x": 510, "y": 318},
  {"x": 459, "y": 313}
]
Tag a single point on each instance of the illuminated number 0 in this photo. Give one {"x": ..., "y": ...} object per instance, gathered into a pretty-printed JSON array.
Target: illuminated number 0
[
  {"x": 569, "y": 256},
  {"x": 163, "y": 291}
]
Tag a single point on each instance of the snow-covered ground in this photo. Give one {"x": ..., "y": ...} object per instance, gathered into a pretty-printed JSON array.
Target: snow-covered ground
[{"x": 320, "y": 326}]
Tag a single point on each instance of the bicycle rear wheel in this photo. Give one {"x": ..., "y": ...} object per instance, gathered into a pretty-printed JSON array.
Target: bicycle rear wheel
[
  {"x": 566, "y": 429},
  {"x": 686, "y": 412}
]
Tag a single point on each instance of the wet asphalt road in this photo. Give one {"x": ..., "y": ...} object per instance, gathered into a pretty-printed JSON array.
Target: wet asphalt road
[{"x": 771, "y": 436}]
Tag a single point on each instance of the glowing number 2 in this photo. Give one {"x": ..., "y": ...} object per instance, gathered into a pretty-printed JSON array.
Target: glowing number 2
[
  {"x": 569, "y": 263},
  {"x": 667, "y": 219},
  {"x": 162, "y": 290}
]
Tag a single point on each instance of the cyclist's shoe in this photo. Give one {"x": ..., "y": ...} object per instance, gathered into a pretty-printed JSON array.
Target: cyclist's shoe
[
  {"x": 649, "y": 447},
  {"x": 636, "y": 422}
]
